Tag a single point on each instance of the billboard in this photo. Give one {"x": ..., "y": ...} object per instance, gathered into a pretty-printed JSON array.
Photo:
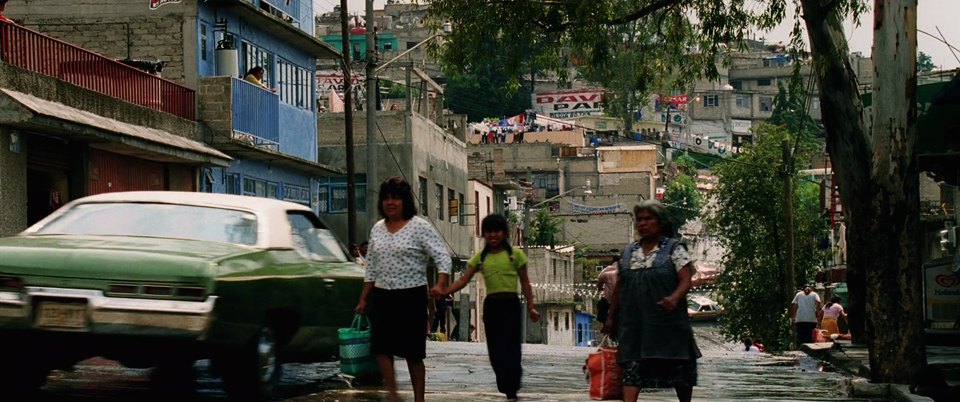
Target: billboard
[
  {"x": 327, "y": 80},
  {"x": 569, "y": 104}
]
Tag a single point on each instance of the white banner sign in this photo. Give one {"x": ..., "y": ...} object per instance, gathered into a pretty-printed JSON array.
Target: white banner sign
[
  {"x": 327, "y": 80},
  {"x": 741, "y": 126},
  {"x": 586, "y": 209},
  {"x": 569, "y": 104}
]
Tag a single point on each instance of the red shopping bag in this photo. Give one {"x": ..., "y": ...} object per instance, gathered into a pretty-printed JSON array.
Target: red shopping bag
[{"x": 603, "y": 372}]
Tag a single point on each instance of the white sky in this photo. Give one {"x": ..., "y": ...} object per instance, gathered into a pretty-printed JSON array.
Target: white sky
[{"x": 932, "y": 14}]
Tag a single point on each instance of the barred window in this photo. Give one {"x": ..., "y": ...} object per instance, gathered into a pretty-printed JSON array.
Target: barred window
[
  {"x": 294, "y": 84},
  {"x": 252, "y": 56}
]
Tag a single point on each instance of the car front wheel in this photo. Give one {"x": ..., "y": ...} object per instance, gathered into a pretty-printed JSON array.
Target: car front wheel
[{"x": 252, "y": 373}]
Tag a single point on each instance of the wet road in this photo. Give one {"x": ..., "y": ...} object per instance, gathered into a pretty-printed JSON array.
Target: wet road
[{"x": 461, "y": 372}]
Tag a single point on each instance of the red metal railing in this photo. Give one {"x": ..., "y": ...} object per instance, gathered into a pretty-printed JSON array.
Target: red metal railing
[{"x": 31, "y": 50}]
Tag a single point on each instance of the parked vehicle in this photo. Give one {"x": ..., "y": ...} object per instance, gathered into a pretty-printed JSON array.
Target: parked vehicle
[
  {"x": 700, "y": 308},
  {"x": 162, "y": 279}
]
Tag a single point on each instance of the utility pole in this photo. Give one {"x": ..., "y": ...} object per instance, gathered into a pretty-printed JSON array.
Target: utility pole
[
  {"x": 372, "y": 182},
  {"x": 788, "y": 216},
  {"x": 348, "y": 126},
  {"x": 527, "y": 203}
]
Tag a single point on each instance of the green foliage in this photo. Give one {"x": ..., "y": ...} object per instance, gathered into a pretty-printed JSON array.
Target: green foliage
[
  {"x": 396, "y": 90},
  {"x": 485, "y": 92},
  {"x": 682, "y": 200},
  {"x": 627, "y": 45},
  {"x": 544, "y": 229},
  {"x": 687, "y": 165},
  {"x": 790, "y": 111},
  {"x": 747, "y": 218},
  {"x": 925, "y": 63}
]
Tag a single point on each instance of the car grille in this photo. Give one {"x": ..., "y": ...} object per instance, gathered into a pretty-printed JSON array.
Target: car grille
[{"x": 155, "y": 290}]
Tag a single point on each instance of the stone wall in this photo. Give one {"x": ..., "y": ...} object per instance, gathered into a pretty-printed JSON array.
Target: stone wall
[{"x": 13, "y": 182}]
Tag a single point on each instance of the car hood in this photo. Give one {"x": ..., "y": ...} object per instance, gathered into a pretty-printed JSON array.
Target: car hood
[{"x": 111, "y": 257}]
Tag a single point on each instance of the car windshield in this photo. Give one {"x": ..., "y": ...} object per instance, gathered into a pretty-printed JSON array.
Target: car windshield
[
  {"x": 692, "y": 305},
  {"x": 156, "y": 220}
]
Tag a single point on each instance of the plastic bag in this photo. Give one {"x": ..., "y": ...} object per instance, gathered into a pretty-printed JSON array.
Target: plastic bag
[
  {"x": 603, "y": 372},
  {"x": 355, "y": 356}
]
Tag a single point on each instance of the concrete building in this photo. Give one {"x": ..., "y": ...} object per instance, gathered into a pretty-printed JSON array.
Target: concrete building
[
  {"x": 206, "y": 46},
  {"x": 431, "y": 159},
  {"x": 717, "y": 116},
  {"x": 553, "y": 277},
  {"x": 74, "y": 123}
]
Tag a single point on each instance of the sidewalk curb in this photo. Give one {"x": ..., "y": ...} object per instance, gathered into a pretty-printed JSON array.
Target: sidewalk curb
[{"x": 860, "y": 387}]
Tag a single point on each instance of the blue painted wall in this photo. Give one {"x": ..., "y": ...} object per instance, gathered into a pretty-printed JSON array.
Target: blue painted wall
[
  {"x": 298, "y": 132},
  {"x": 214, "y": 180},
  {"x": 298, "y": 127}
]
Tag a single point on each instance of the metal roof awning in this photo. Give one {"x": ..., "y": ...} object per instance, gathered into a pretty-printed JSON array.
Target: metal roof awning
[
  {"x": 280, "y": 28},
  {"x": 246, "y": 150},
  {"x": 29, "y": 112}
]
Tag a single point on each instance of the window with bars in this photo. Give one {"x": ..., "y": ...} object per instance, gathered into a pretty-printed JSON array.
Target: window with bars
[
  {"x": 295, "y": 193},
  {"x": 438, "y": 199},
  {"x": 233, "y": 183},
  {"x": 251, "y": 55},
  {"x": 453, "y": 213},
  {"x": 332, "y": 194},
  {"x": 294, "y": 84},
  {"x": 463, "y": 211},
  {"x": 711, "y": 101},
  {"x": 424, "y": 210},
  {"x": 766, "y": 103}
]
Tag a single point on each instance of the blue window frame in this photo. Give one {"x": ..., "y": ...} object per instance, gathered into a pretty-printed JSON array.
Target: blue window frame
[{"x": 332, "y": 194}]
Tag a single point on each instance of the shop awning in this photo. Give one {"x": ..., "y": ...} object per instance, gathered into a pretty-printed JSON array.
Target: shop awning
[{"x": 33, "y": 114}]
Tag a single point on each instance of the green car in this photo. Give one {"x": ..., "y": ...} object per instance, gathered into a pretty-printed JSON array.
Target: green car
[{"x": 162, "y": 279}]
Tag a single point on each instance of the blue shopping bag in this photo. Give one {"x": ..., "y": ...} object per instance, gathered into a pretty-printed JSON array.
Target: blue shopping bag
[{"x": 355, "y": 356}]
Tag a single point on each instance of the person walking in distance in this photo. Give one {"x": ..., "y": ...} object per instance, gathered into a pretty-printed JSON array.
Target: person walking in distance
[
  {"x": 803, "y": 314},
  {"x": 503, "y": 268},
  {"x": 401, "y": 245},
  {"x": 648, "y": 309},
  {"x": 606, "y": 282}
]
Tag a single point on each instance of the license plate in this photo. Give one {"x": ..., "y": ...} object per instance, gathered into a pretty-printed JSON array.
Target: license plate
[{"x": 61, "y": 315}]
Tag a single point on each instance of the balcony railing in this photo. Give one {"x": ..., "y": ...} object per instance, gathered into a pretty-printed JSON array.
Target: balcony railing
[
  {"x": 255, "y": 114},
  {"x": 289, "y": 7},
  {"x": 31, "y": 50}
]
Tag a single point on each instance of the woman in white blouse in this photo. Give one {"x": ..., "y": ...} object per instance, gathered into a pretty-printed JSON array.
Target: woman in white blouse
[{"x": 401, "y": 246}]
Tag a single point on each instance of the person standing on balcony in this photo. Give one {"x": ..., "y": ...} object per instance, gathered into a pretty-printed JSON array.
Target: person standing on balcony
[
  {"x": 3, "y": 4},
  {"x": 255, "y": 77}
]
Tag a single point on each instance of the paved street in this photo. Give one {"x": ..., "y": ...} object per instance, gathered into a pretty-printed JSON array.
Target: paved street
[{"x": 460, "y": 372}]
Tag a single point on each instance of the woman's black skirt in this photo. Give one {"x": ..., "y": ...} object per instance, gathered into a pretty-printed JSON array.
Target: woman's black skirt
[{"x": 398, "y": 319}]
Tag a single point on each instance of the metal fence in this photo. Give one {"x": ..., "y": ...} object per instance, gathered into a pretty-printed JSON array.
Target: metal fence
[
  {"x": 255, "y": 114},
  {"x": 31, "y": 50}
]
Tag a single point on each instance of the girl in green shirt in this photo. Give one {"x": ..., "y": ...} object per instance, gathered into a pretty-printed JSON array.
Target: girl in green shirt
[{"x": 502, "y": 267}]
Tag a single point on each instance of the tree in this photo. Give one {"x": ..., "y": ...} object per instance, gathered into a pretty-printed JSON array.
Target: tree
[
  {"x": 790, "y": 111},
  {"x": 925, "y": 63},
  {"x": 544, "y": 228},
  {"x": 682, "y": 200},
  {"x": 876, "y": 167},
  {"x": 484, "y": 92},
  {"x": 746, "y": 217}
]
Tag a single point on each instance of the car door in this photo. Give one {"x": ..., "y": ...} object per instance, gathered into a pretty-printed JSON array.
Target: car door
[{"x": 328, "y": 284}]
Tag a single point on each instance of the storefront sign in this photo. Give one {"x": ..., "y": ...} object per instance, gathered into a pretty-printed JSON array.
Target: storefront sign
[
  {"x": 741, "y": 126},
  {"x": 942, "y": 291}
]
